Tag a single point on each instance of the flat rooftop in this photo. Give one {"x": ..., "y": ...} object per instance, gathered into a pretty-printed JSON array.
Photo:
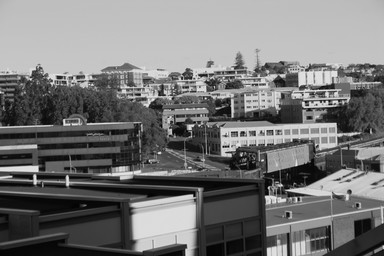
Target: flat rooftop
[{"x": 315, "y": 207}]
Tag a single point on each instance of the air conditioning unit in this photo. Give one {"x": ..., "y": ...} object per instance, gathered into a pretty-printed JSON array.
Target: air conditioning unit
[
  {"x": 288, "y": 214},
  {"x": 294, "y": 199},
  {"x": 300, "y": 199},
  {"x": 358, "y": 205}
]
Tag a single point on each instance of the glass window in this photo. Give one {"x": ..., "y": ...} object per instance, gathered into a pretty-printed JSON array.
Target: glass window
[
  {"x": 304, "y": 131},
  {"x": 295, "y": 131},
  {"x": 362, "y": 226},
  {"x": 252, "y": 133},
  {"x": 269, "y": 132},
  {"x": 234, "y": 134},
  {"x": 243, "y": 134},
  {"x": 315, "y": 130},
  {"x": 279, "y": 132},
  {"x": 287, "y": 132},
  {"x": 261, "y": 133},
  {"x": 323, "y": 130},
  {"x": 324, "y": 140},
  {"x": 332, "y": 130}
]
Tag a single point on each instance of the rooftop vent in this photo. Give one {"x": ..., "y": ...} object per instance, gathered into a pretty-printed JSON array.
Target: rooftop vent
[{"x": 358, "y": 205}]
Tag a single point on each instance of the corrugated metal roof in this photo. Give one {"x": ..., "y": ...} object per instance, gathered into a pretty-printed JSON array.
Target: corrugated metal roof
[{"x": 362, "y": 184}]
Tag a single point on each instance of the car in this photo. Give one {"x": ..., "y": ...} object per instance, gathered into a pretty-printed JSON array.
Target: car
[
  {"x": 199, "y": 159},
  {"x": 152, "y": 161}
]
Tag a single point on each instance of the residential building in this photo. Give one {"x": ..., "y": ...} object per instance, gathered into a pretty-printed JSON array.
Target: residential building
[
  {"x": 126, "y": 74},
  {"x": 157, "y": 73},
  {"x": 206, "y": 73},
  {"x": 74, "y": 147},
  {"x": 9, "y": 80},
  {"x": 185, "y": 86},
  {"x": 310, "y": 78},
  {"x": 85, "y": 80},
  {"x": 230, "y": 74},
  {"x": 64, "y": 79},
  {"x": 178, "y": 113},
  {"x": 254, "y": 81},
  {"x": 222, "y": 94},
  {"x": 293, "y": 68},
  {"x": 222, "y": 138},
  {"x": 135, "y": 92},
  {"x": 308, "y": 106},
  {"x": 365, "y": 85},
  {"x": 139, "y": 214},
  {"x": 257, "y": 102}
]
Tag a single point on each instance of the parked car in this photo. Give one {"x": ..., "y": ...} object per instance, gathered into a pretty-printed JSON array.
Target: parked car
[{"x": 152, "y": 161}]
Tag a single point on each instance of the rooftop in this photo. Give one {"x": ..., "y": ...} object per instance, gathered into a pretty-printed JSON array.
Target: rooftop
[
  {"x": 362, "y": 184},
  {"x": 316, "y": 207}
]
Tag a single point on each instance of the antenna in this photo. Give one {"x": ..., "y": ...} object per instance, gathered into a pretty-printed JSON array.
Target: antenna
[{"x": 257, "y": 58}]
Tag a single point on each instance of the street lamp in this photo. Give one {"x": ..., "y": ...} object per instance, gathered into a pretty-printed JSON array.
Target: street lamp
[
  {"x": 203, "y": 159},
  {"x": 185, "y": 155}
]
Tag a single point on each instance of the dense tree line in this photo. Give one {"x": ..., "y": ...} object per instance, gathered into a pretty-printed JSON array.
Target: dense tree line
[
  {"x": 36, "y": 101},
  {"x": 362, "y": 114}
]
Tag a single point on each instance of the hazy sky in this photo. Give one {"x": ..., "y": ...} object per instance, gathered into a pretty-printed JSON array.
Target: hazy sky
[{"x": 88, "y": 35}]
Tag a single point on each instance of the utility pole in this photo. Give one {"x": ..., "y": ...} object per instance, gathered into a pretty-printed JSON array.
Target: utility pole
[{"x": 257, "y": 58}]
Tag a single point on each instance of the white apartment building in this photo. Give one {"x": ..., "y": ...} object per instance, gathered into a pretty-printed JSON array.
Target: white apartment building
[
  {"x": 222, "y": 138},
  {"x": 252, "y": 103},
  {"x": 206, "y": 72},
  {"x": 321, "y": 77},
  {"x": 230, "y": 74},
  {"x": 185, "y": 86},
  {"x": 157, "y": 73},
  {"x": 85, "y": 80},
  {"x": 295, "y": 69},
  {"x": 254, "y": 81},
  {"x": 65, "y": 79},
  {"x": 308, "y": 106},
  {"x": 132, "y": 93}
]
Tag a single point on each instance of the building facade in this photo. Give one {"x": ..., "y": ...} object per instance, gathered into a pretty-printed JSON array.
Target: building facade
[
  {"x": 9, "y": 80},
  {"x": 126, "y": 74},
  {"x": 308, "y": 106},
  {"x": 87, "y": 148},
  {"x": 255, "y": 103},
  {"x": 136, "y": 213},
  {"x": 222, "y": 138},
  {"x": 308, "y": 78},
  {"x": 178, "y": 113}
]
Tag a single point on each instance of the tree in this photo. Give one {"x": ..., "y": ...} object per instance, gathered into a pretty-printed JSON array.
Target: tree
[
  {"x": 239, "y": 62},
  {"x": 106, "y": 81},
  {"x": 236, "y": 84},
  {"x": 187, "y": 100},
  {"x": 210, "y": 63},
  {"x": 212, "y": 84},
  {"x": 188, "y": 74}
]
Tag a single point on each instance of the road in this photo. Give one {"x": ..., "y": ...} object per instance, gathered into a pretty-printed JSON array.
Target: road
[{"x": 173, "y": 159}]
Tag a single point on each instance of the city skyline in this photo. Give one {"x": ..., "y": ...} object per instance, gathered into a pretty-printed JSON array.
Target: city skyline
[{"x": 73, "y": 36}]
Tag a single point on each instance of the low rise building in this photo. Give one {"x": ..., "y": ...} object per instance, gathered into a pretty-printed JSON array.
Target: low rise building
[
  {"x": 73, "y": 147},
  {"x": 105, "y": 214},
  {"x": 64, "y": 79},
  {"x": 308, "y": 106},
  {"x": 222, "y": 138},
  {"x": 178, "y": 113},
  {"x": 231, "y": 74},
  {"x": 126, "y": 74},
  {"x": 9, "y": 80},
  {"x": 185, "y": 86},
  {"x": 308, "y": 78}
]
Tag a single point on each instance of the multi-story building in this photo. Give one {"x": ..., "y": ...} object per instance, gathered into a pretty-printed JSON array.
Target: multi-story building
[
  {"x": 310, "y": 78},
  {"x": 308, "y": 106},
  {"x": 185, "y": 86},
  {"x": 85, "y": 80},
  {"x": 73, "y": 147},
  {"x": 157, "y": 73},
  {"x": 222, "y": 138},
  {"x": 131, "y": 215},
  {"x": 126, "y": 74},
  {"x": 254, "y": 81},
  {"x": 9, "y": 80},
  {"x": 256, "y": 102},
  {"x": 178, "y": 113},
  {"x": 230, "y": 74},
  {"x": 294, "y": 68},
  {"x": 64, "y": 79}
]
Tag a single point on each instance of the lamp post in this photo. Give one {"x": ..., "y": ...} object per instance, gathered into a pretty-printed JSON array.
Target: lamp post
[
  {"x": 206, "y": 141},
  {"x": 202, "y": 150},
  {"x": 185, "y": 155}
]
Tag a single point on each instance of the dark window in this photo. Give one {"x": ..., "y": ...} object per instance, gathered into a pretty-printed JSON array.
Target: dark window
[
  {"x": 362, "y": 226},
  {"x": 215, "y": 250}
]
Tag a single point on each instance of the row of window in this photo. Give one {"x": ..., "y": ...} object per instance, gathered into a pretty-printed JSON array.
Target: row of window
[{"x": 280, "y": 132}]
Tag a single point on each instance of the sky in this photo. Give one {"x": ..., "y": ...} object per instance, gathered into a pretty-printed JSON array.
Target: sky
[{"x": 89, "y": 35}]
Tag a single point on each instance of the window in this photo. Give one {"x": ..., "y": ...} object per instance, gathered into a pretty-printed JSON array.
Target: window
[
  {"x": 252, "y": 133},
  {"x": 362, "y": 226},
  {"x": 234, "y": 134},
  {"x": 261, "y": 133},
  {"x": 279, "y": 132},
  {"x": 269, "y": 132},
  {"x": 332, "y": 129},
  {"x": 277, "y": 245},
  {"x": 304, "y": 131},
  {"x": 308, "y": 241},
  {"x": 287, "y": 132},
  {"x": 324, "y": 140},
  {"x": 295, "y": 131},
  {"x": 314, "y": 130},
  {"x": 332, "y": 139},
  {"x": 324, "y": 130},
  {"x": 243, "y": 134}
]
